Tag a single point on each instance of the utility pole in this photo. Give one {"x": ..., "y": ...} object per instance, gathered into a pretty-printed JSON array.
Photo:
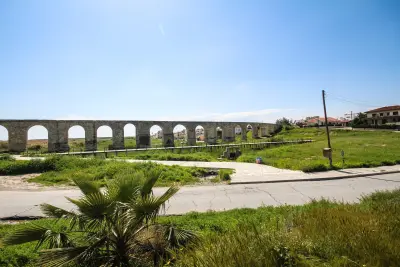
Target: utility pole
[
  {"x": 327, "y": 130},
  {"x": 326, "y": 119},
  {"x": 351, "y": 115}
]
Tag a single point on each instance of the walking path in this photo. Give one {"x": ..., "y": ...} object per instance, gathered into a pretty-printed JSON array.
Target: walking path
[{"x": 219, "y": 197}]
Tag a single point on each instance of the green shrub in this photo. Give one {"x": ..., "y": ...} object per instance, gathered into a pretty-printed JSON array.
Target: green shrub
[
  {"x": 12, "y": 167},
  {"x": 60, "y": 170},
  {"x": 7, "y": 157},
  {"x": 225, "y": 175},
  {"x": 35, "y": 147}
]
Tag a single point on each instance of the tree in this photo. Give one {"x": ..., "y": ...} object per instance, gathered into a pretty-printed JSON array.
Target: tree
[
  {"x": 361, "y": 119},
  {"x": 283, "y": 123},
  {"x": 113, "y": 226}
]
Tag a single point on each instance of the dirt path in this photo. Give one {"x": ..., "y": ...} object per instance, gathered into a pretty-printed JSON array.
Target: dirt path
[{"x": 20, "y": 183}]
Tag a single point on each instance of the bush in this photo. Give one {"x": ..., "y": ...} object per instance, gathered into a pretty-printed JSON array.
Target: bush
[
  {"x": 225, "y": 175},
  {"x": 12, "y": 167},
  {"x": 35, "y": 147},
  {"x": 6, "y": 157}
]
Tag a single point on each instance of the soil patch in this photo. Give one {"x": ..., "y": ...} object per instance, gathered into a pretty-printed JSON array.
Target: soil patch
[{"x": 20, "y": 182}]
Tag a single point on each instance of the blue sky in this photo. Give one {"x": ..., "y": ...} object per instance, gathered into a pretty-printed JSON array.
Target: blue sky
[{"x": 197, "y": 60}]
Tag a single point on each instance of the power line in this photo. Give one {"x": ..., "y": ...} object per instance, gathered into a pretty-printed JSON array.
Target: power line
[{"x": 343, "y": 99}]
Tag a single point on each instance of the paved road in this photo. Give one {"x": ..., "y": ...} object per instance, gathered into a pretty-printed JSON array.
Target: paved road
[{"x": 221, "y": 197}]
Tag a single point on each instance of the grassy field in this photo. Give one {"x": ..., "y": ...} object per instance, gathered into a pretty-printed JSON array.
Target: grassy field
[
  {"x": 60, "y": 171},
  {"x": 321, "y": 233},
  {"x": 361, "y": 149}
]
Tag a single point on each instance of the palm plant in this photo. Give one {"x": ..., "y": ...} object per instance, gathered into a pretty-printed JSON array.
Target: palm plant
[{"x": 111, "y": 226}]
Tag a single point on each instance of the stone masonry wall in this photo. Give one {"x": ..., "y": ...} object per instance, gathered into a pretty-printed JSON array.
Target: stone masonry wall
[{"x": 58, "y": 132}]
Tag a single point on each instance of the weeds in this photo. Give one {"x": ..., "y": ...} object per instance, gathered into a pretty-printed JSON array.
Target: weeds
[
  {"x": 321, "y": 233},
  {"x": 60, "y": 170}
]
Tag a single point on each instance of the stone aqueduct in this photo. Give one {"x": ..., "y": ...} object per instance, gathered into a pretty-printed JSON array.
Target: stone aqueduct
[{"x": 58, "y": 132}]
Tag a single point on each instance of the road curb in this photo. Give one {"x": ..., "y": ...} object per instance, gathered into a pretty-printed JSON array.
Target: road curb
[{"x": 316, "y": 179}]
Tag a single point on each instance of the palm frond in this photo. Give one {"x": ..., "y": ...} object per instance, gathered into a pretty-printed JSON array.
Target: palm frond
[
  {"x": 177, "y": 237},
  {"x": 87, "y": 187},
  {"x": 55, "y": 240},
  {"x": 27, "y": 234},
  {"x": 33, "y": 232},
  {"x": 94, "y": 206},
  {"x": 53, "y": 211},
  {"x": 124, "y": 188},
  {"x": 60, "y": 256},
  {"x": 168, "y": 194},
  {"x": 147, "y": 208},
  {"x": 147, "y": 187}
]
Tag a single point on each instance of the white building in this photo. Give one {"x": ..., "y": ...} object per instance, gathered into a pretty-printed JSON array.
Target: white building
[{"x": 384, "y": 115}]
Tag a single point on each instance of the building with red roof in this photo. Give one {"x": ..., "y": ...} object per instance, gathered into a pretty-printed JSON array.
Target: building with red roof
[
  {"x": 320, "y": 121},
  {"x": 384, "y": 115}
]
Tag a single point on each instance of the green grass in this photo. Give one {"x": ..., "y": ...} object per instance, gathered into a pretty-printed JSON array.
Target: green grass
[
  {"x": 362, "y": 149},
  {"x": 176, "y": 155},
  {"x": 60, "y": 170},
  {"x": 321, "y": 233}
]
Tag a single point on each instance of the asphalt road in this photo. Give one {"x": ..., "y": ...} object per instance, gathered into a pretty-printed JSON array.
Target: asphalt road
[{"x": 221, "y": 197}]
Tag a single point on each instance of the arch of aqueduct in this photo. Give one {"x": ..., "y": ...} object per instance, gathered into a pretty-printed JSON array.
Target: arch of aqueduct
[{"x": 58, "y": 132}]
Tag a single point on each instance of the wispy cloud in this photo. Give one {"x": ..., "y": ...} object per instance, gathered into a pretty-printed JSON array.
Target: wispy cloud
[{"x": 161, "y": 28}]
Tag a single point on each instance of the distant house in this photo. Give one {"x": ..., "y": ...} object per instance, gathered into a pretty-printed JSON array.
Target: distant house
[
  {"x": 158, "y": 135},
  {"x": 320, "y": 121},
  {"x": 199, "y": 132},
  {"x": 384, "y": 115}
]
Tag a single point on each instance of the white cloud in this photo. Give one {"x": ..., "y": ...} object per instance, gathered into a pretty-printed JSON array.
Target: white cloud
[{"x": 161, "y": 28}]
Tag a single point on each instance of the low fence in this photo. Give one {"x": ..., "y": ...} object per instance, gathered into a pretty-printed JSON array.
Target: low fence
[{"x": 256, "y": 145}]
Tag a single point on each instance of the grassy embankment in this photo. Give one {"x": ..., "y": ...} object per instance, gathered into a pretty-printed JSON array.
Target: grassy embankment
[
  {"x": 60, "y": 170},
  {"x": 321, "y": 233},
  {"x": 361, "y": 148}
]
